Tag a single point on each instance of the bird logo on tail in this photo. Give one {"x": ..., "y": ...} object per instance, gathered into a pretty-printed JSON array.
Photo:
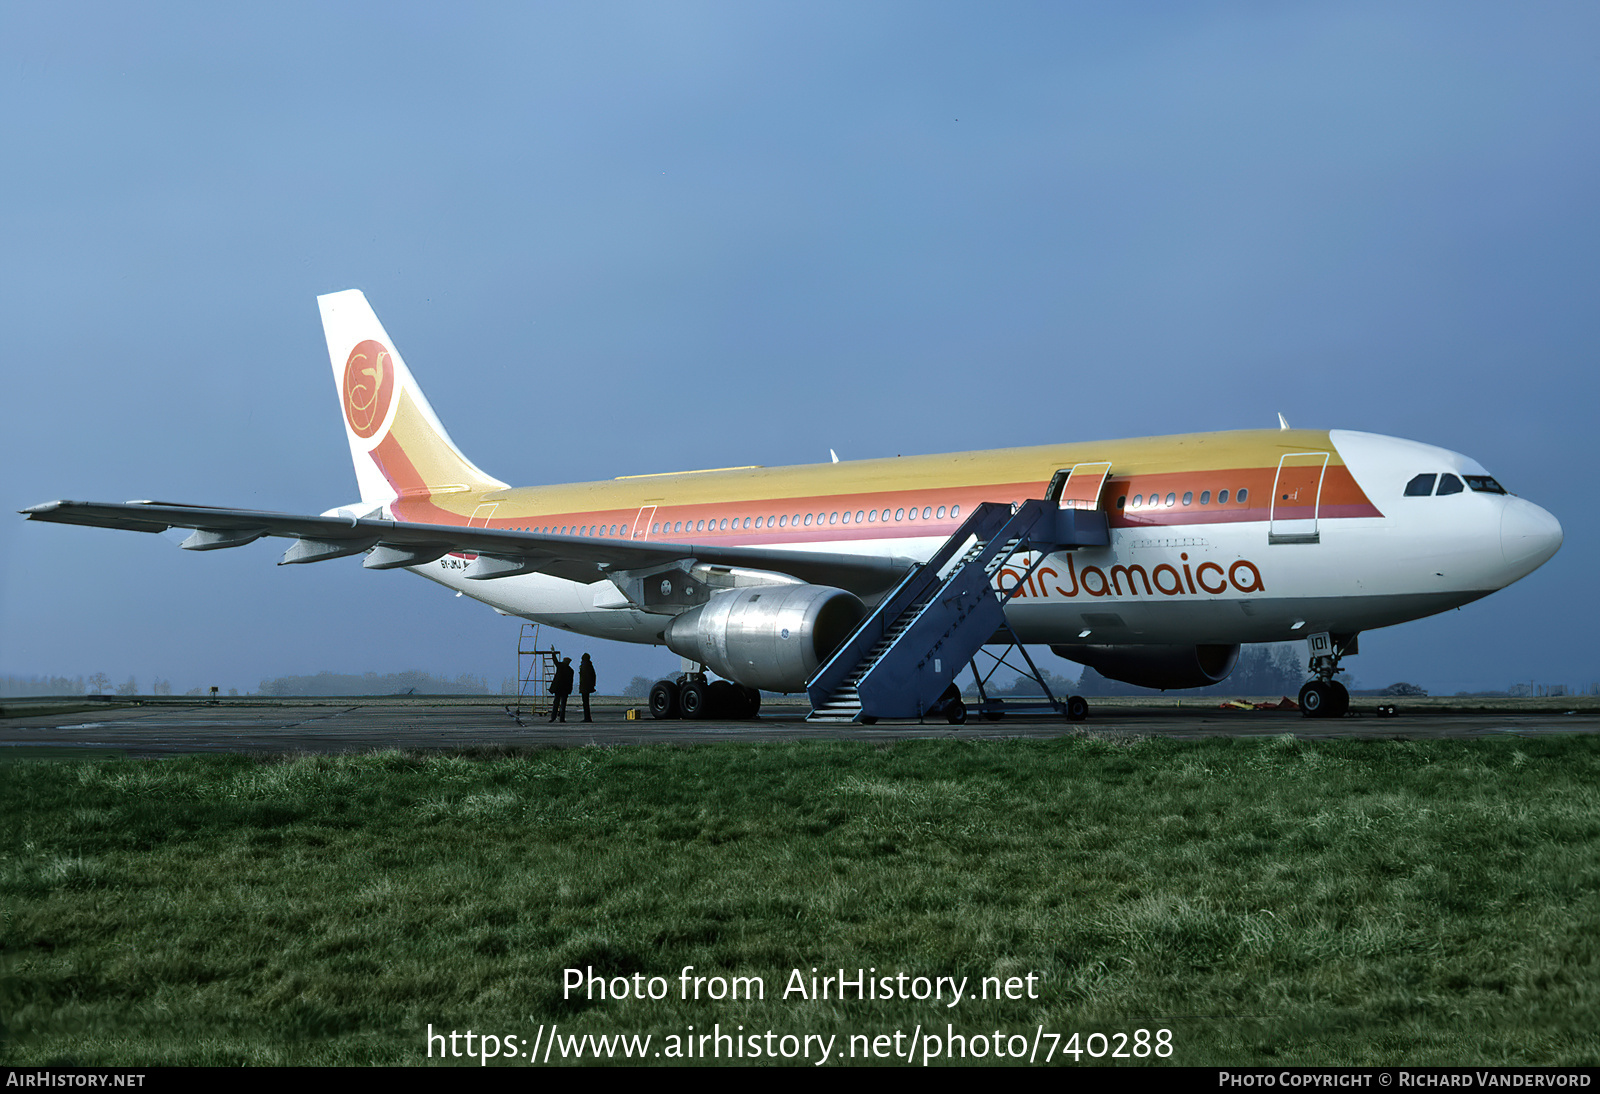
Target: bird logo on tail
[{"x": 368, "y": 387}]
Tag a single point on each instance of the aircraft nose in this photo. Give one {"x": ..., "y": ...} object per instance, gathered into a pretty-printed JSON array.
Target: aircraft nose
[{"x": 1528, "y": 535}]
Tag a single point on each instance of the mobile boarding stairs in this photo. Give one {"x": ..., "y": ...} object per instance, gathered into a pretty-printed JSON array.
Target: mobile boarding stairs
[{"x": 903, "y": 659}]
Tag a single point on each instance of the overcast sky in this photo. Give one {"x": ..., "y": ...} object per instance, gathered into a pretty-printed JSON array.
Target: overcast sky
[{"x": 622, "y": 238}]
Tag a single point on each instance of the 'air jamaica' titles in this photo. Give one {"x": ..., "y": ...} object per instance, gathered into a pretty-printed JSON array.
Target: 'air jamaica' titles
[{"x": 1133, "y": 579}]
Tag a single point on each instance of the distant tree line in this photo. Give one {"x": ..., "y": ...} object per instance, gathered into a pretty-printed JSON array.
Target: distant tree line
[{"x": 372, "y": 683}]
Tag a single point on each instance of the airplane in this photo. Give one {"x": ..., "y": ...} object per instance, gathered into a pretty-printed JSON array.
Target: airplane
[{"x": 1151, "y": 560}]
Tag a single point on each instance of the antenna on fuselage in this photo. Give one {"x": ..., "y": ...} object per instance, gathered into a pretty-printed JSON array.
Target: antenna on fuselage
[
  {"x": 1283, "y": 423},
  {"x": 834, "y": 454}
]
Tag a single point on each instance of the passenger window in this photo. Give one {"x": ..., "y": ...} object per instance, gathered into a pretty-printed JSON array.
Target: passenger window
[
  {"x": 1188, "y": 497},
  {"x": 1138, "y": 500},
  {"x": 1222, "y": 497},
  {"x": 1205, "y": 497},
  {"x": 1420, "y": 487},
  {"x": 940, "y": 513},
  {"x": 927, "y": 512},
  {"x": 1449, "y": 484},
  {"x": 899, "y": 514},
  {"x": 859, "y": 515},
  {"x": 1122, "y": 501},
  {"x": 955, "y": 510},
  {"x": 1242, "y": 495},
  {"x": 1171, "y": 499},
  {"x": 872, "y": 516}
]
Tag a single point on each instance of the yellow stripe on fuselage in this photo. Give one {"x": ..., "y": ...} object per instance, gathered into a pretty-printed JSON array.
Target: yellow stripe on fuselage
[{"x": 1029, "y": 468}]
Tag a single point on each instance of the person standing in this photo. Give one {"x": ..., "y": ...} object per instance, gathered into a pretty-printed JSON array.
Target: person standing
[
  {"x": 560, "y": 688},
  {"x": 586, "y": 684}
]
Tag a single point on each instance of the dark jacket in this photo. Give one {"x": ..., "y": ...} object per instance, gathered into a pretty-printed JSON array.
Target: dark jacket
[
  {"x": 562, "y": 684},
  {"x": 586, "y": 677}
]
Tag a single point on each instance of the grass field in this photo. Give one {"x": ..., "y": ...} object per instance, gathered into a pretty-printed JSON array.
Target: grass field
[{"x": 1268, "y": 901}]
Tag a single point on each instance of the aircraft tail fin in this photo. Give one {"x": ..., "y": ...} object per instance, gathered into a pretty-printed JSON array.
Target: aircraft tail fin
[{"x": 399, "y": 447}]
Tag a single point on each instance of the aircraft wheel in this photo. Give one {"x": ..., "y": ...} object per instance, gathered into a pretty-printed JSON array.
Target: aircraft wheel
[
  {"x": 664, "y": 699},
  {"x": 693, "y": 700},
  {"x": 1077, "y": 708},
  {"x": 956, "y": 713},
  {"x": 752, "y": 704},
  {"x": 1316, "y": 700},
  {"x": 727, "y": 700},
  {"x": 869, "y": 720},
  {"x": 1340, "y": 705},
  {"x": 993, "y": 715}
]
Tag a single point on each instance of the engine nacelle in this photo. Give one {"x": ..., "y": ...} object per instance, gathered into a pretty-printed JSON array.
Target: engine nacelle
[
  {"x": 1156, "y": 666},
  {"x": 767, "y": 636}
]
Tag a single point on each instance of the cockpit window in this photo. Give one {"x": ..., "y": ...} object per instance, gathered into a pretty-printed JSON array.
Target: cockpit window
[
  {"x": 1449, "y": 484},
  {"x": 1483, "y": 484},
  {"x": 1420, "y": 487}
]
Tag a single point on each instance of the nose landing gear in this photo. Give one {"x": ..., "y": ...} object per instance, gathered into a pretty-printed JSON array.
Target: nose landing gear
[{"x": 1323, "y": 696}]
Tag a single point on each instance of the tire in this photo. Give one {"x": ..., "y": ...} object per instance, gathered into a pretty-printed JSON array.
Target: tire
[
  {"x": 993, "y": 715},
  {"x": 1077, "y": 708},
  {"x": 1341, "y": 700},
  {"x": 1316, "y": 700},
  {"x": 727, "y": 700},
  {"x": 664, "y": 699},
  {"x": 752, "y": 705},
  {"x": 693, "y": 700},
  {"x": 956, "y": 713}
]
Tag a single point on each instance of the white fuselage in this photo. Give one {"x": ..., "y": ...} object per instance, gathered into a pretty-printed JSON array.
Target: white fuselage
[{"x": 1192, "y": 583}]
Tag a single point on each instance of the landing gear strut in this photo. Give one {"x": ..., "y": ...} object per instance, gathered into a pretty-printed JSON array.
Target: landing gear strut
[{"x": 1323, "y": 696}]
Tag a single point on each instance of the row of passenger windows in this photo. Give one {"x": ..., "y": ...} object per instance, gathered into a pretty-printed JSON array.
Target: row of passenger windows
[
  {"x": 1422, "y": 486},
  {"x": 1154, "y": 501},
  {"x": 806, "y": 520},
  {"x": 736, "y": 524}
]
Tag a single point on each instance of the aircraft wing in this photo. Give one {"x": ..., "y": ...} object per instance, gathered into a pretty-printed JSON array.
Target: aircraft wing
[{"x": 390, "y": 544}]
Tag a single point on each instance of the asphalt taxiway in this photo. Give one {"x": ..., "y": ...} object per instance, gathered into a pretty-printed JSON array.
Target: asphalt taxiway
[{"x": 360, "y": 725}]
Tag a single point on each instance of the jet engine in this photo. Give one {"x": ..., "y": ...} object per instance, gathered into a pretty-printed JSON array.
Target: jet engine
[
  {"x": 767, "y": 636},
  {"x": 1156, "y": 666}
]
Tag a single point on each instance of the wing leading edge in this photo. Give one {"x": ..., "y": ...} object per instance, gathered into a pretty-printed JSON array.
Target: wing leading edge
[{"x": 390, "y": 544}]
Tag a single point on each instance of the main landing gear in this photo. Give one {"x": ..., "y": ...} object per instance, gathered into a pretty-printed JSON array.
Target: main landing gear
[
  {"x": 691, "y": 696},
  {"x": 1323, "y": 696}
]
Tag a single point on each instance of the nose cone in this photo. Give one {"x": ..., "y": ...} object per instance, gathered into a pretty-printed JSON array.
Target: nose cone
[{"x": 1528, "y": 536}]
